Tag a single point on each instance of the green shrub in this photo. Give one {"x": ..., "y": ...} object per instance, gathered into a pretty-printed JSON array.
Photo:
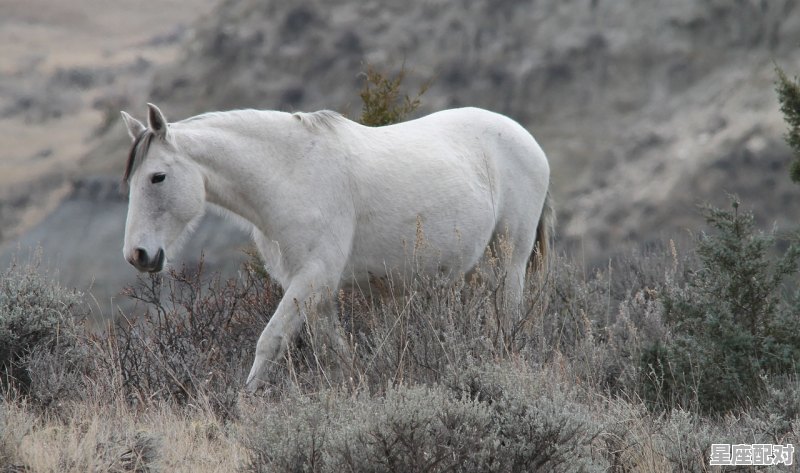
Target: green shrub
[
  {"x": 381, "y": 100},
  {"x": 730, "y": 324},
  {"x": 41, "y": 354},
  {"x": 789, "y": 97}
]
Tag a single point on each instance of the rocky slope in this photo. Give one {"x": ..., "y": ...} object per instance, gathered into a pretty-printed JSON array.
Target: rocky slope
[{"x": 644, "y": 110}]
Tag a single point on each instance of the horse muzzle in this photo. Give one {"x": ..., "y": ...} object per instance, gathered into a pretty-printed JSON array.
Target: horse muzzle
[{"x": 142, "y": 261}]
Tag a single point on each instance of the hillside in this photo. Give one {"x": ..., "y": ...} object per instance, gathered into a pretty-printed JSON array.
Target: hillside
[{"x": 644, "y": 112}]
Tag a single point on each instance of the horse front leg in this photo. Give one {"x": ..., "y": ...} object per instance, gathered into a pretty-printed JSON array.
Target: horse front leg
[
  {"x": 303, "y": 294},
  {"x": 282, "y": 329}
]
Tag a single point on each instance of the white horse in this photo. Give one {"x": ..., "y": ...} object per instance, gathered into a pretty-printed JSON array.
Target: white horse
[{"x": 332, "y": 203}]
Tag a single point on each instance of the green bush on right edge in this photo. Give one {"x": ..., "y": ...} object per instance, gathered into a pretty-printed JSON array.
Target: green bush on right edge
[{"x": 733, "y": 324}]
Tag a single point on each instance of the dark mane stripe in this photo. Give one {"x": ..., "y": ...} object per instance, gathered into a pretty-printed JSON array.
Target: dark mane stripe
[{"x": 138, "y": 149}]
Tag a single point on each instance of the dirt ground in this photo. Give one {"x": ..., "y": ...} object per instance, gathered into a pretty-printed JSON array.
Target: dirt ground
[{"x": 64, "y": 66}]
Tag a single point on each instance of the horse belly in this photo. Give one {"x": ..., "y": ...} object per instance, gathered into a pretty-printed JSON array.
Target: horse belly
[{"x": 443, "y": 230}]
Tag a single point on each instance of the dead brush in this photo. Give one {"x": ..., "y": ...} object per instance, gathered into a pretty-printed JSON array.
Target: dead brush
[
  {"x": 193, "y": 337},
  {"x": 409, "y": 330}
]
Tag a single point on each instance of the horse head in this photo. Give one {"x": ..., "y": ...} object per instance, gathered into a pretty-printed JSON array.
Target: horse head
[{"x": 166, "y": 193}]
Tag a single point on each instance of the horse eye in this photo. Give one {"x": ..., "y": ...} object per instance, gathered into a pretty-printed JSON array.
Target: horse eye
[{"x": 158, "y": 177}]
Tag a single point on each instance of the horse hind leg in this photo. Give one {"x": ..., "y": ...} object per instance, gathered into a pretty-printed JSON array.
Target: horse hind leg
[
  {"x": 500, "y": 272},
  {"x": 511, "y": 256},
  {"x": 331, "y": 351}
]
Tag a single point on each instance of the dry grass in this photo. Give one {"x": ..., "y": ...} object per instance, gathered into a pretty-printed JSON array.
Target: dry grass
[{"x": 101, "y": 437}]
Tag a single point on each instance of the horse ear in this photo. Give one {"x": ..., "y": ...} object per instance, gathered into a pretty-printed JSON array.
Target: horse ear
[
  {"x": 156, "y": 121},
  {"x": 135, "y": 127}
]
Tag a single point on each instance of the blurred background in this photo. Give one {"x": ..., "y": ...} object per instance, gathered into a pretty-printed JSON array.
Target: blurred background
[{"x": 645, "y": 108}]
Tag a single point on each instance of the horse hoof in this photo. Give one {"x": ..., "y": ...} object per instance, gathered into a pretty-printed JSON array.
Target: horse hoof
[{"x": 254, "y": 385}]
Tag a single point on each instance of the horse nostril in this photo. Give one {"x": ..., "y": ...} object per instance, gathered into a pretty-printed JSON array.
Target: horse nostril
[{"x": 140, "y": 257}]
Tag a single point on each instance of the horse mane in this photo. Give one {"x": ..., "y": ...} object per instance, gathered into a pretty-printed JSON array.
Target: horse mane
[
  {"x": 313, "y": 120},
  {"x": 321, "y": 119},
  {"x": 138, "y": 149}
]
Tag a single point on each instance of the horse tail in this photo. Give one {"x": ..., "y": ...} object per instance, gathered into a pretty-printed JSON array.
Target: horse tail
[{"x": 544, "y": 234}]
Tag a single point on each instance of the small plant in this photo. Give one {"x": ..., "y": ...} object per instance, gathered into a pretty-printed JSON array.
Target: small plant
[
  {"x": 789, "y": 97},
  {"x": 381, "y": 97},
  {"x": 731, "y": 327}
]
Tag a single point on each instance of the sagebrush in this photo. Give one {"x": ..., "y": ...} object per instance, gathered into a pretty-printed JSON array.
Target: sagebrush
[{"x": 41, "y": 354}]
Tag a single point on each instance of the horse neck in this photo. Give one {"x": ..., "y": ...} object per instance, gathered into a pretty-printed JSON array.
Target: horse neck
[{"x": 236, "y": 162}]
